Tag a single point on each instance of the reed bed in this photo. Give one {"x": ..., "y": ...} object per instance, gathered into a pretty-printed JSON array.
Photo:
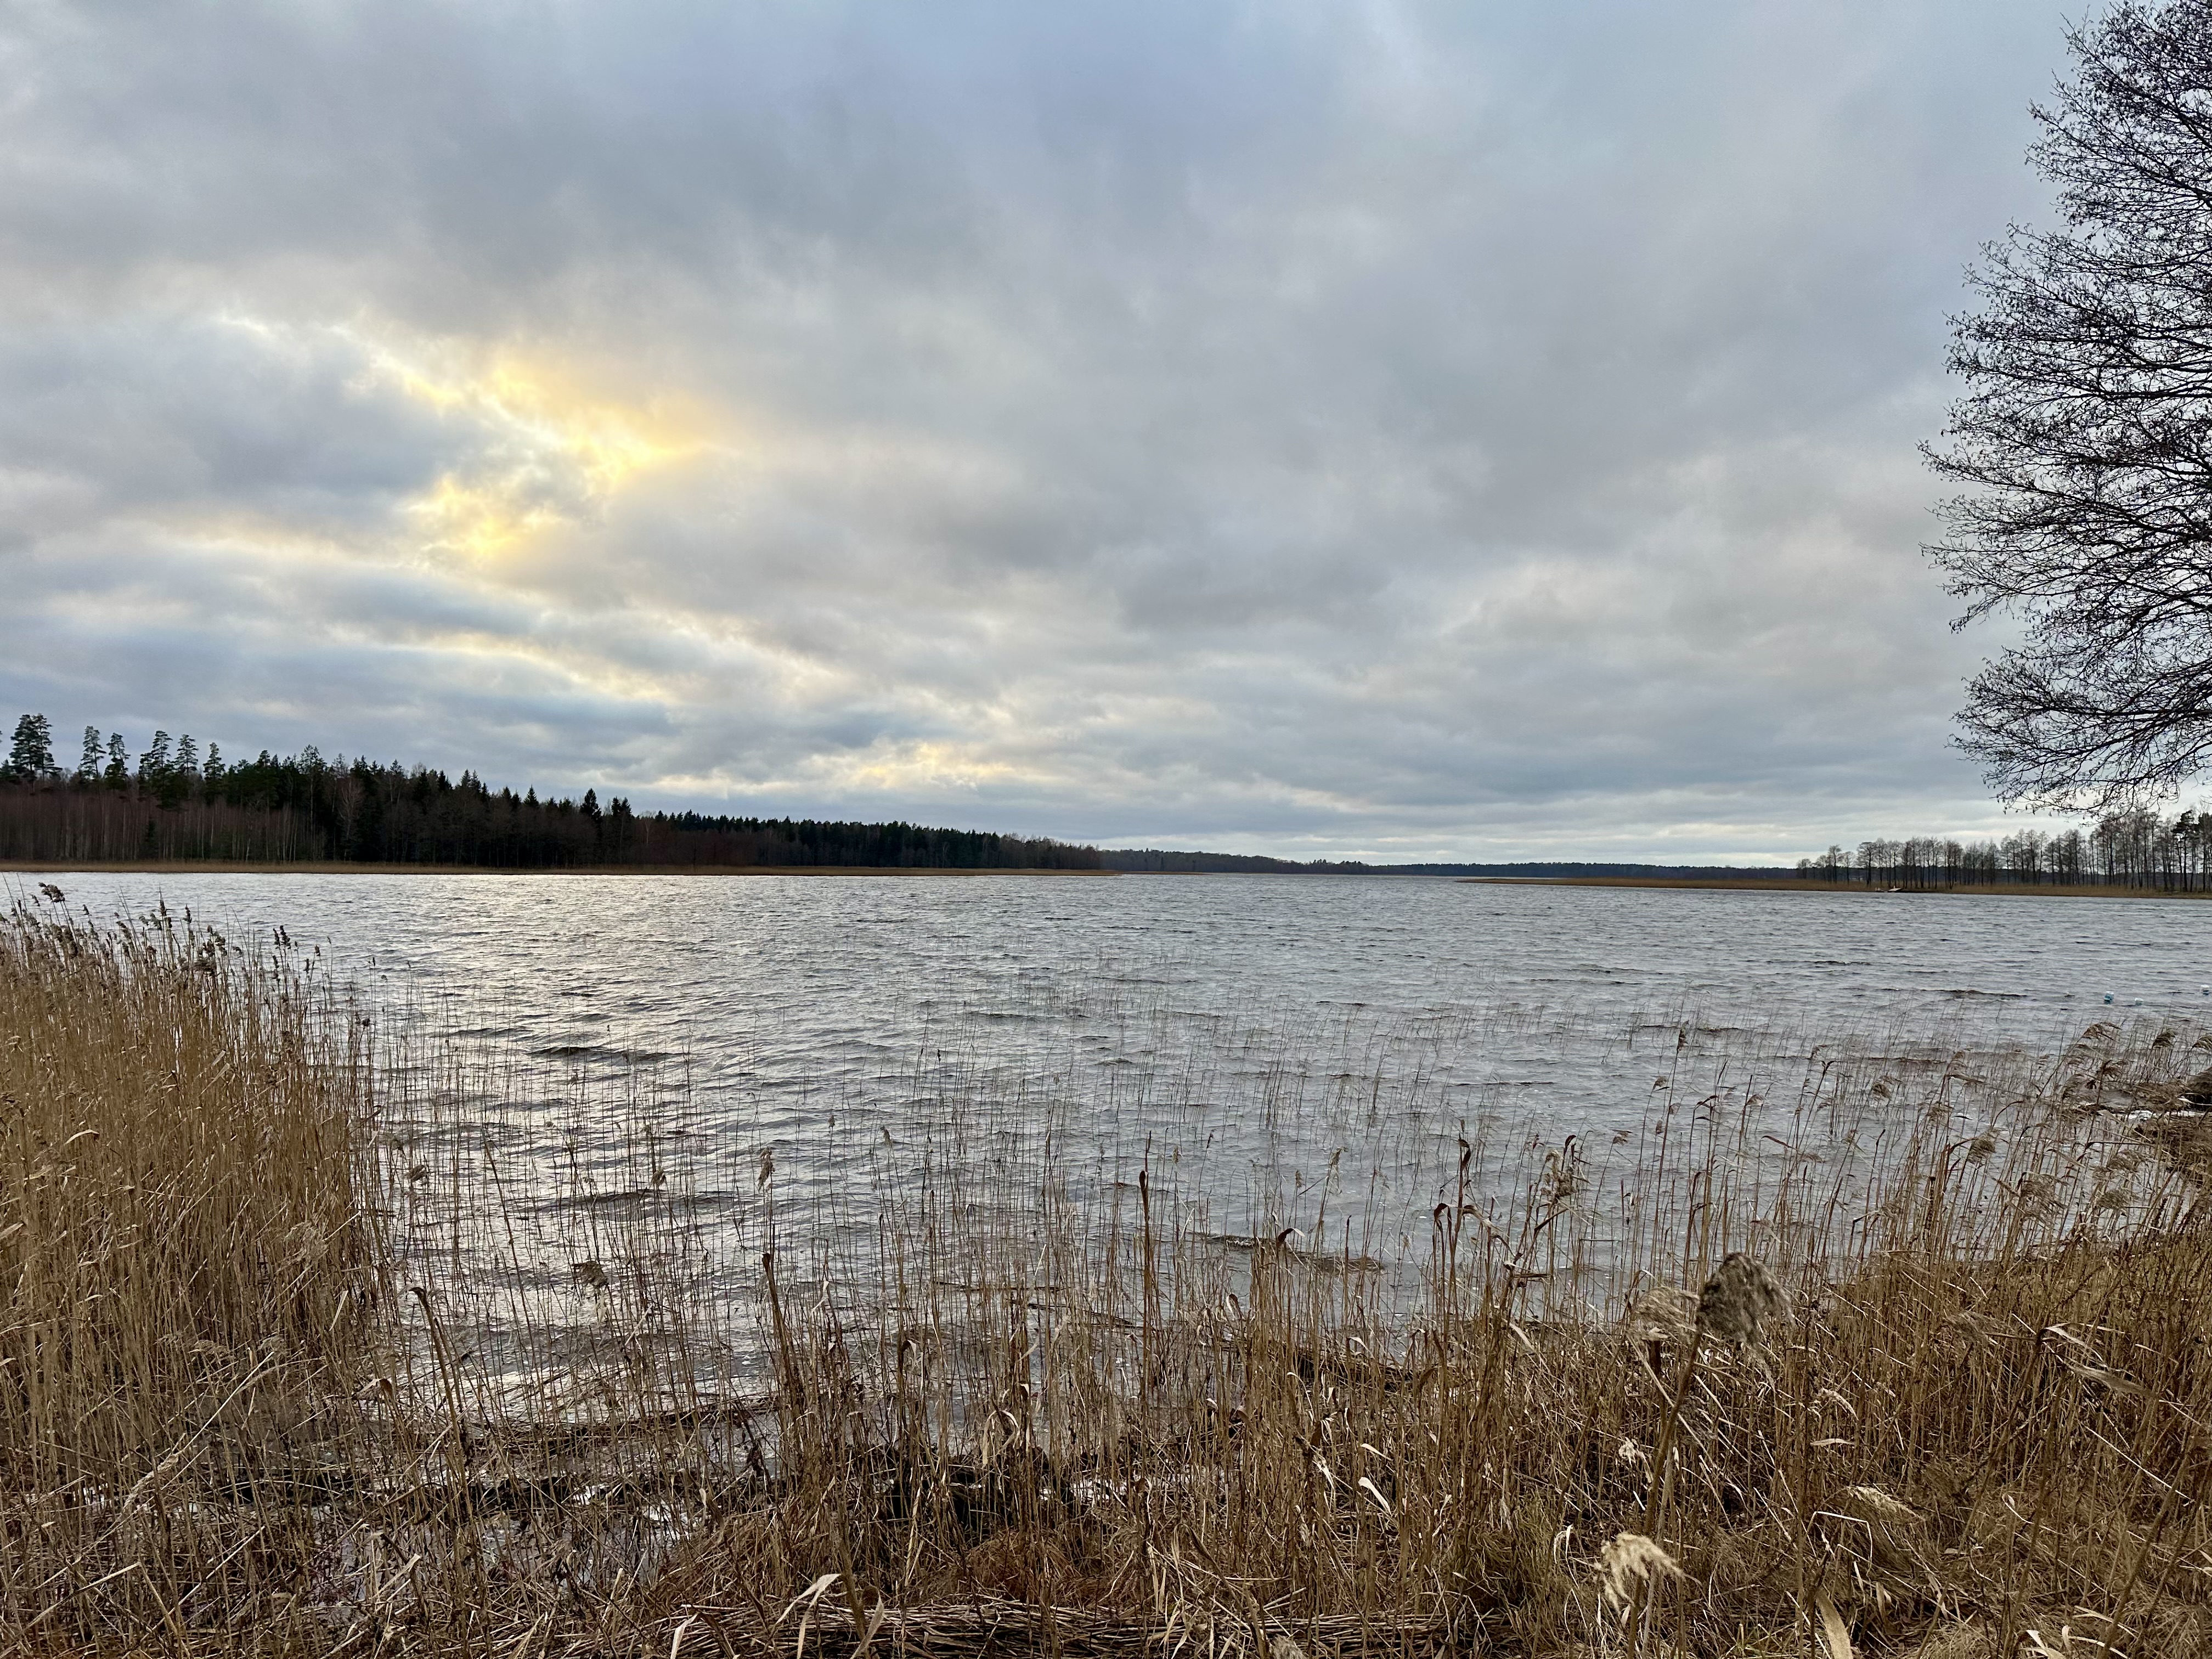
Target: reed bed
[
  {"x": 320, "y": 1341},
  {"x": 189, "y": 1263}
]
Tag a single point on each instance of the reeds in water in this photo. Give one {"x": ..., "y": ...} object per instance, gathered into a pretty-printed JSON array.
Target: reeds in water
[{"x": 319, "y": 1348}]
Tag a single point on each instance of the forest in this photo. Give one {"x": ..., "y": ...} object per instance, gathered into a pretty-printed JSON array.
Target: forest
[
  {"x": 173, "y": 802},
  {"x": 2135, "y": 848}
]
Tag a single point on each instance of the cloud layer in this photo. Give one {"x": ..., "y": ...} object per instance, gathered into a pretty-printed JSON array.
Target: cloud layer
[{"x": 1380, "y": 429}]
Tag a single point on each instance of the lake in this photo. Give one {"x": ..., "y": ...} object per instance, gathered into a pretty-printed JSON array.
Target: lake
[
  {"x": 1280, "y": 1051},
  {"x": 793, "y": 996}
]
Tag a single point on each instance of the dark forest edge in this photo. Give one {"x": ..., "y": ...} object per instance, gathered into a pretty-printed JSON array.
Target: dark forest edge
[
  {"x": 176, "y": 805},
  {"x": 2134, "y": 849}
]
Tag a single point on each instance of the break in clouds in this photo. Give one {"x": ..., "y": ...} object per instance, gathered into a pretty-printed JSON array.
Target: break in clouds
[{"x": 1377, "y": 430}]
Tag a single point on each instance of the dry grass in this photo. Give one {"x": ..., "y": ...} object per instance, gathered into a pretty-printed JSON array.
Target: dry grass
[
  {"x": 609, "y": 1399},
  {"x": 187, "y": 1266}
]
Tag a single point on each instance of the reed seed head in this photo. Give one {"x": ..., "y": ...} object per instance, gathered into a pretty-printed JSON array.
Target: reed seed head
[
  {"x": 1879, "y": 1505},
  {"x": 1628, "y": 1565},
  {"x": 1737, "y": 1301}
]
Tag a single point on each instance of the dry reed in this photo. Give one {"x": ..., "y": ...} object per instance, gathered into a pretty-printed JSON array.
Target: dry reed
[{"x": 188, "y": 1268}]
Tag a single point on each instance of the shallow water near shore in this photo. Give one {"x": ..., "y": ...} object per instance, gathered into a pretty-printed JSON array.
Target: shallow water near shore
[{"x": 665, "y": 1076}]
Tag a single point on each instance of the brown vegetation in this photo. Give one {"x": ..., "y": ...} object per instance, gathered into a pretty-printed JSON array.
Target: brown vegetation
[{"x": 293, "y": 1363}]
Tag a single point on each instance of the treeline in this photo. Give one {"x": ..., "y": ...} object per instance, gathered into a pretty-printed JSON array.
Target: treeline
[
  {"x": 175, "y": 803},
  {"x": 1155, "y": 859},
  {"x": 2131, "y": 849}
]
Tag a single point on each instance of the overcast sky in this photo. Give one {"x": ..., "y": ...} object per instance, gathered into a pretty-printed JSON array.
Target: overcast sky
[{"x": 1384, "y": 429}]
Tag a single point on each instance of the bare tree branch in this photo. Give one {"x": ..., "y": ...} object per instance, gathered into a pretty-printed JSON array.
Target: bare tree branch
[{"x": 2084, "y": 438}]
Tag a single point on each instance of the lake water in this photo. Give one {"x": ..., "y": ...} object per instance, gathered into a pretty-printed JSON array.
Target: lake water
[
  {"x": 793, "y": 996},
  {"x": 1299, "y": 1049},
  {"x": 781, "y": 981}
]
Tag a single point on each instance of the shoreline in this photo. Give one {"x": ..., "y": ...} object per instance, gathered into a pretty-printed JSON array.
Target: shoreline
[
  {"x": 248, "y": 867},
  {"x": 1738, "y": 883},
  {"x": 1796, "y": 885}
]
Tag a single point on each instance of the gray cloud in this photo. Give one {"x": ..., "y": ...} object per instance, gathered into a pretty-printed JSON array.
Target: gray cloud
[{"x": 1386, "y": 429}]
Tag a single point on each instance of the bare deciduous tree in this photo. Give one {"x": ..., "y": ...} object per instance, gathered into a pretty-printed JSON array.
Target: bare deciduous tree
[{"x": 2085, "y": 434}]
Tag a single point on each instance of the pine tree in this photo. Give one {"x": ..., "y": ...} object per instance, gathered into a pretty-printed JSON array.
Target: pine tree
[
  {"x": 87, "y": 769},
  {"x": 116, "y": 772},
  {"x": 31, "y": 755}
]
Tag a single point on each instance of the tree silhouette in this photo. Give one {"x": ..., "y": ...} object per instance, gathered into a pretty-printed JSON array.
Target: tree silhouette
[
  {"x": 2085, "y": 434},
  {"x": 30, "y": 755}
]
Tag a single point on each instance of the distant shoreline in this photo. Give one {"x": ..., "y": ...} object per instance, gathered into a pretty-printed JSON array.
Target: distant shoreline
[
  {"x": 1799, "y": 885},
  {"x": 1779, "y": 883},
  {"x": 230, "y": 867}
]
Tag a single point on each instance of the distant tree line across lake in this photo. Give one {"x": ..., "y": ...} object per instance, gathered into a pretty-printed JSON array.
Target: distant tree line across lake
[
  {"x": 1153, "y": 860},
  {"x": 2135, "y": 848},
  {"x": 174, "y": 802}
]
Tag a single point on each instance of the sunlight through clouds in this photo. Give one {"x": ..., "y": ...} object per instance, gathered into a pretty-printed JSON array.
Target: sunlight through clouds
[{"x": 555, "y": 454}]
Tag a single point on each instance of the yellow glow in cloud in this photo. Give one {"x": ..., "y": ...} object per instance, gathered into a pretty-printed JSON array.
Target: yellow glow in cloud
[
  {"x": 609, "y": 443},
  {"x": 558, "y": 449},
  {"x": 925, "y": 764},
  {"x": 483, "y": 520}
]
